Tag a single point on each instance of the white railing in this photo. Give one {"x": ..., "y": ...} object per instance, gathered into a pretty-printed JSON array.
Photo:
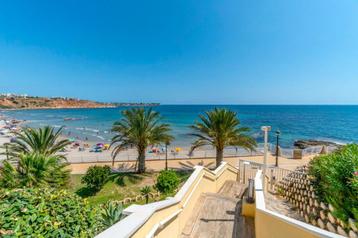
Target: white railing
[{"x": 105, "y": 156}]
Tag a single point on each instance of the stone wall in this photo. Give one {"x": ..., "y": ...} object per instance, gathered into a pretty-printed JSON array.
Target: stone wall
[
  {"x": 129, "y": 200},
  {"x": 297, "y": 189}
]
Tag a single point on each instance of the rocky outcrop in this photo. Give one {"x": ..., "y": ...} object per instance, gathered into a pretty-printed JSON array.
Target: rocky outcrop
[
  {"x": 17, "y": 102},
  {"x": 303, "y": 144}
]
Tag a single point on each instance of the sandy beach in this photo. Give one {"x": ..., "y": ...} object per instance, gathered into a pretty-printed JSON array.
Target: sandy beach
[
  {"x": 82, "y": 154},
  {"x": 3, "y": 140}
]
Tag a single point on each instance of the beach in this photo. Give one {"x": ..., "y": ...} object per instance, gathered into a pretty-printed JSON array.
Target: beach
[
  {"x": 89, "y": 131},
  {"x": 3, "y": 140},
  {"x": 295, "y": 122},
  {"x": 81, "y": 157}
]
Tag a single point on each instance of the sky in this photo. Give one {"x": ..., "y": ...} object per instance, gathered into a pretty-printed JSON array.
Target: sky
[{"x": 182, "y": 51}]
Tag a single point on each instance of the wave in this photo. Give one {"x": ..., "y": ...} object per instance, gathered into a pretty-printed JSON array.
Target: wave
[
  {"x": 100, "y": 137},
  {"x": 87, "y": 129}
]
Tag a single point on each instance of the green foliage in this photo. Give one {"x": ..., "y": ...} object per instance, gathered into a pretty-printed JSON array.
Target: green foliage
[
  {"x": 145, "y": 191},
  {"x": 139, "y": 128},
  {"x": 220, "y": 128},
  {"x": 335, "y": 179},
  {"x": 33, "y": 170},
  {"x": 46, "y": 213},
  {"x": 45, "y": 141},
  {"x": 111, "y": 213},
  {"x": 167, "y": 181},
  {"x": 96, "y": 176}
]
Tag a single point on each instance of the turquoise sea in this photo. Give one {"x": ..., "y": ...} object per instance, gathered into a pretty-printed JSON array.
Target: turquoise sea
[{"x": 333, "y": 123}]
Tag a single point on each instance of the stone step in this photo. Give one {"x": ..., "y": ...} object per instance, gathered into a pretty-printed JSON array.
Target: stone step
[
  {"x": 221, "y": 197},
  {"x": 190, "y": 223},
  {"x": 233, "y": 189}
]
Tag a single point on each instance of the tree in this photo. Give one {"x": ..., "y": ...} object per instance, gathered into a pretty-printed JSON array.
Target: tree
[
  {"x": 34, "y": 170},
  {"x": 145, "y": 191},
  {"x": 44, "y": 141},
  {"x": 139, "y": 128},
  {"x": 220, "y": 128}
]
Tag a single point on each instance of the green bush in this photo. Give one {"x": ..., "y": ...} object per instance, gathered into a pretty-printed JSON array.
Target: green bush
[
  {"x": 145, "y": 191},
  {"x": 34, "y": 170},
  {"x": 167, "y": 181},
  {"x": 96, "y": 177},
  {"x": 46, "y": 213},
  {"x": 111, "y": 213},
  {"x": 335, "y": 180}
]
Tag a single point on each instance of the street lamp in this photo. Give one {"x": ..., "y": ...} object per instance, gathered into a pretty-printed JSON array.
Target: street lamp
[
  {"x": 245, "y": 163},
  {"x": 166, "y": 155},
  {"x": 277, "y": 144},
  {"x": 266, "y": 130}
]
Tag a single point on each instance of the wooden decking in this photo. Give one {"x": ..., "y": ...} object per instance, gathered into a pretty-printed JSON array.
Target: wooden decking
[{"x": 219, "y": 215}]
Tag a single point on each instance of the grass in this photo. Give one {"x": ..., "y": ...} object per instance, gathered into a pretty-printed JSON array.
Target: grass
[{"x": 120, "y": 186}]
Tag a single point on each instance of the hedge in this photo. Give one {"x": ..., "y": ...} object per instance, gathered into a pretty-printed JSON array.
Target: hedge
[
  {"x": 44, "y": 212},
  {"x": 335, "y": 180}
]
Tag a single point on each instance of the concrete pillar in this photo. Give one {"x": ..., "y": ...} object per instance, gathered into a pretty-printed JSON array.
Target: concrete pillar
[{"x": 266, "y": 130}]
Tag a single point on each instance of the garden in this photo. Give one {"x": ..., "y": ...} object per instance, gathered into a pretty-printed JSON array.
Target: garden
[
  {"x": 119, "y": 186},
  {"x": 335, "y": 181},
  {"x": 40, "y": 198}
]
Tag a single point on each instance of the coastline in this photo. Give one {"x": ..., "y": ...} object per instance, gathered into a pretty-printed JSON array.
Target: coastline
[
  {"x": 96, "y": 127},
  {"x": 52, "y": 108},
  {"x": 80, "y": 150}
]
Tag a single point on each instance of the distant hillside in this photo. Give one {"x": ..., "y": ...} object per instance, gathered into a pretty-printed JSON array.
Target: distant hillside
[
  {"x": 136, "y": 104},
  {"x": 28, "y": 102}
]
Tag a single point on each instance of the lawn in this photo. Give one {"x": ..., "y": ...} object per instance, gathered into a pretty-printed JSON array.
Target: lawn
[{"x": 120, "y": 186}]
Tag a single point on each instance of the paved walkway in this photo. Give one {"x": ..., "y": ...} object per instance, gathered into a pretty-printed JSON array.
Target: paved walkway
[
  {"x": 218, "y": 215},
  {"x": 281, "y": 206}
]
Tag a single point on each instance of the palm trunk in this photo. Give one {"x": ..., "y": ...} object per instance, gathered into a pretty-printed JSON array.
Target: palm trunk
[
  {"x": 113, "y": 162},
  {"x": 219, "y": 156},
  {"x": 141, "y": 161}
]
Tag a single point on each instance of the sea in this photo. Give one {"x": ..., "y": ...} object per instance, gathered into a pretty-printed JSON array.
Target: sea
[{"x": 330, "y": 123}]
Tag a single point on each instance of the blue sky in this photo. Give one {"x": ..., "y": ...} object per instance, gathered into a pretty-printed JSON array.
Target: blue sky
[{"x": 182, "y": 51}]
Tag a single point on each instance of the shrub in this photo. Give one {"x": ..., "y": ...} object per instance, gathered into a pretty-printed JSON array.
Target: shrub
[
  {"x": 34, "y": 170},
  {"x": 46, "y": 213},
  {"x": 167, "y": 181},
  {"x": 145, "y": 191},
  {"x": 111, "y": 213},
  {"x": 96, "y": 177},
  {"x": 335, "y": 180}
]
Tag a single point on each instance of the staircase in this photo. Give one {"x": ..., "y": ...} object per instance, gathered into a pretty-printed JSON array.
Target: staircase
[{"x": 218, "y": 214}]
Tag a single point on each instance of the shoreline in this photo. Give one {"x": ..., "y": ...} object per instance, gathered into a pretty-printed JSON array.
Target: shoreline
[
  {"x": 53, "y": 108},
  {"x": 81, "y": 153}
]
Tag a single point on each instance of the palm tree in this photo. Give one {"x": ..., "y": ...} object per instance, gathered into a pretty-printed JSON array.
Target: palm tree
[
  {"x": 44, "y": 141},
  {"x": 145, "y": 191},
  {"x": 139, "y": 128},
  {"x": 33, "y": 170},
  {"x": 220, "y": 128}
]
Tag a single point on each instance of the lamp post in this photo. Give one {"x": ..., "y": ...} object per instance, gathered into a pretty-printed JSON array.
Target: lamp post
[
  {"x": 277, "y": 141},
  {"x": 166, "y": 155},
  {"x": 266, "y": 130},
  {"x": 245, "y": 163}
]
